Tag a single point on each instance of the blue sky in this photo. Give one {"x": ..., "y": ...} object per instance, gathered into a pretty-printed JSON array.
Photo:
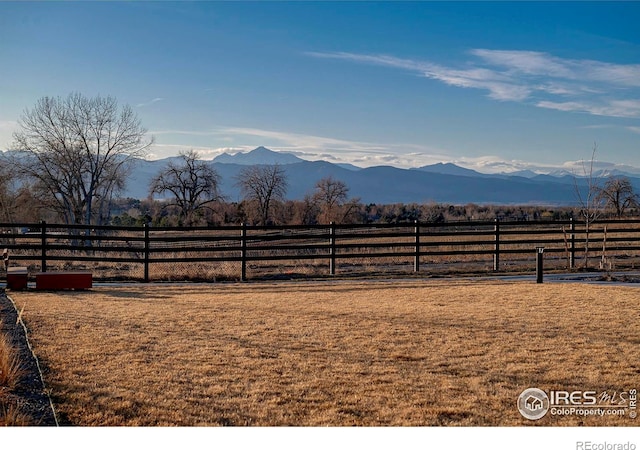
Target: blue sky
[{"x": 491, "y": 86}]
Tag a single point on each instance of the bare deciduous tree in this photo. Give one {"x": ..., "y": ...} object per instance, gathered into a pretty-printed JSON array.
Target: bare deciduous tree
[
  {"x": 79, "y": 149},
  {"x": 618, "y": 195},
  {"x": 331, "y": 196},
  {"x": 308, "y": 211},
  {"x": 263, "y": 185},
  {"x": 193, "y": 184},
  {"x": 590, "y": 202}
]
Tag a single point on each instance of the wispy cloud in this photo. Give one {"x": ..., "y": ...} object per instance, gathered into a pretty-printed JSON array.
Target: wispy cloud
[
  {"x": 8, "y": 124},
  {"x": 499, "y": 85},
  {"x": 185, "y": 132},
  {"x": 302, "y": 141},
  {"x": 541, "y": 64},
  {"x": 544, "y": 80},
  {"x": 163, "y": 150},
  {"x": 494, "y": 164},
  {"x": 150, "y": 102},
  {"x": 611, "y": 108}
]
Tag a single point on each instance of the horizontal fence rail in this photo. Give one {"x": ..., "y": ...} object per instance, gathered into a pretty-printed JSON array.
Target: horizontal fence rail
[{"x": 238, "y": 252}]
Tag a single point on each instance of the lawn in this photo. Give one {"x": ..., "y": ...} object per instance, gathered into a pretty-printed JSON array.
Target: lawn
[{"x": 377, "y": 353}]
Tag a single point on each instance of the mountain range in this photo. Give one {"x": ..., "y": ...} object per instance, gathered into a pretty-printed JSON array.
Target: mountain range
[{"x": 441, "y": 183}]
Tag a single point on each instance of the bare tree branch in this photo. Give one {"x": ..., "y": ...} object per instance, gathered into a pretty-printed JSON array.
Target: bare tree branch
[
  {"x": 79, "y": 149},
  {"x": 590, "y": 203},
  {"x": 193, "y": 184},
  {"x": 617, "y": 194},
  {"x": 263, "y": 185},
  {"x": 330, "y": 195}
]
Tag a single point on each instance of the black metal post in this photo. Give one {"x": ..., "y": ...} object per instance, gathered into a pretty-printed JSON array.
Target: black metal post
[{"x": 539, "y": 264}]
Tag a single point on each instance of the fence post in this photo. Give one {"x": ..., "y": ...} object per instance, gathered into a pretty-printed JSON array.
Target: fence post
[
  {"x": 243, "y": 255},
  {"x": 572, "y": 255},
  {"x": 43, "y": 229},
  {"x": 539, "y": 264},
  {"x": 147, "y": 245},
  {"x": 496, "y": 254},
  {"x": 332, "y": 249},
  {"x": 416, "y": 261}
]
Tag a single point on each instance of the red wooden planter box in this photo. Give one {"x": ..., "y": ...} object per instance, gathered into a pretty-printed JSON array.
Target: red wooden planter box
[
  {"x": 55, "y": 281},
  {"x": 17, "y": 278}
]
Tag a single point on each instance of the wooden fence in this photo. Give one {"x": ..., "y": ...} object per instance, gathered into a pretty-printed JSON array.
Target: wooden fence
[{"x": 242, "y": 252}]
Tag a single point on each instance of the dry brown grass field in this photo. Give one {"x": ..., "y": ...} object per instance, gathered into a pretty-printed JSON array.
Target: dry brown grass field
[{"x": 380, "y": 353}]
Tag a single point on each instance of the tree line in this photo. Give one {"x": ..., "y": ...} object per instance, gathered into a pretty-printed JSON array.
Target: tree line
[
  {"x": 191, "y": 196},
  {"x": 75, "y": 157}
]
